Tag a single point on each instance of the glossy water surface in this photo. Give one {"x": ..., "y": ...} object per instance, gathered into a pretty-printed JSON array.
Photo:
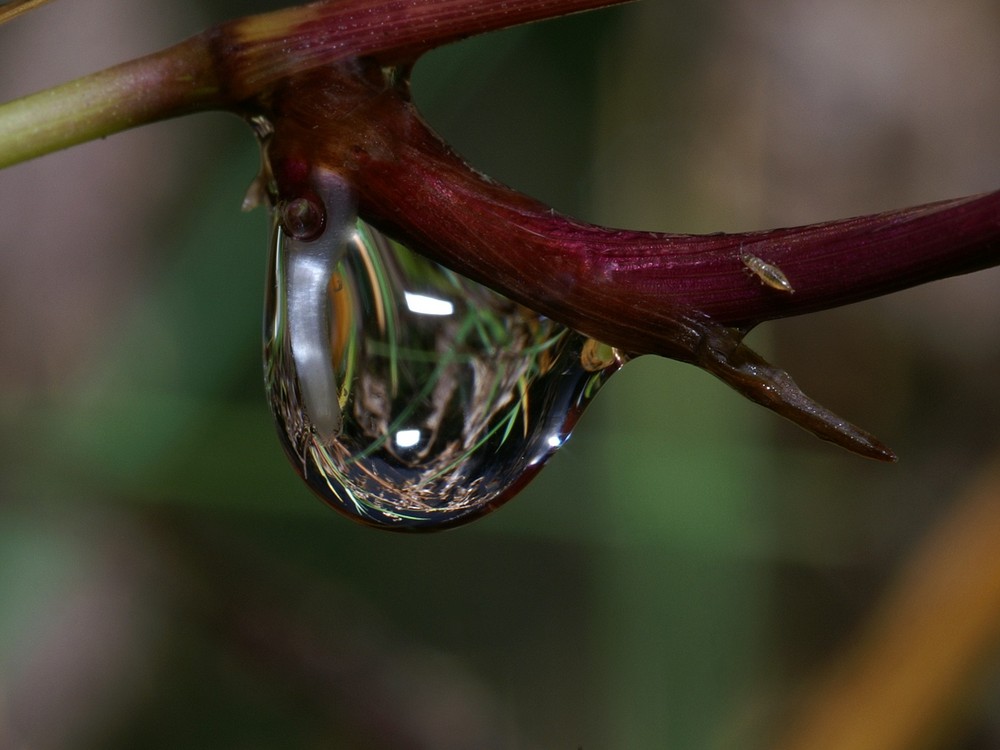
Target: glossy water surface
[{"x": 406, "y": 395}]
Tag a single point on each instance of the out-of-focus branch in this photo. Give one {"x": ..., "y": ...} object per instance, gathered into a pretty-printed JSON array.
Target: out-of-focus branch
[
  {"x": 918, "y": 662},
  {"x": 14, "y": 8}
]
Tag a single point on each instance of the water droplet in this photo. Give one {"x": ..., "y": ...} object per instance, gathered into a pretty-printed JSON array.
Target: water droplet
[
  {"x": 301, "y": 218},
  {"x": 407, "y": 396}
]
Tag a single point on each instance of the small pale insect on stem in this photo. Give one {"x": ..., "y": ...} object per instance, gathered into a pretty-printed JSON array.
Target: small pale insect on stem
[{"x": 768, "y": 273}]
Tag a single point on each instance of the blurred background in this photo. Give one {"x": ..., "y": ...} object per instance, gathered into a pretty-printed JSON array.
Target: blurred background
[{"x": 686, "y": 568}]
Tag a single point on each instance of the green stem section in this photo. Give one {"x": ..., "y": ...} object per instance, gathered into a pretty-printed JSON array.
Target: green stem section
[
  {"x": 241, "y": 60},
  {"x": 175, "y": 81}
]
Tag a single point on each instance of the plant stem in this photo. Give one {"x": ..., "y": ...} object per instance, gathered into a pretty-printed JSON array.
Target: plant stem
[
  {"x": 332, "y": 79},
  {"x": 392, "y": 32},
  {"x": 166, "y": 84},
  {"x": 626, "y": 288},
  {"x": 690, "y": 298},
  {"x": 240, "y": 60}
]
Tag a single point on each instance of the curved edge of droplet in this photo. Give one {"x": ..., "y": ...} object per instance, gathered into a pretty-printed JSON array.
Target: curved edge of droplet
[
  {"x": 338, "y": 495},
  {"x": 324, "y": 478},
  {"x": 310, "y": 266},
  {"x": 341, "y": 498}
]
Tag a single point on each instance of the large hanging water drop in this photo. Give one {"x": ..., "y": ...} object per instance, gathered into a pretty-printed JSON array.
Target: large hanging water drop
[{"x": 407, "y": 396}]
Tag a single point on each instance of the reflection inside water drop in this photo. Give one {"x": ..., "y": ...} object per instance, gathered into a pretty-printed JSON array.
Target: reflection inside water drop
[{"x": 406, "y": 395}]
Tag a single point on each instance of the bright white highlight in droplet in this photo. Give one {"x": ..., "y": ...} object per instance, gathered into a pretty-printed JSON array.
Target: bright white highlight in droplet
[
  {"x": 424, "y": 305},
  {"x": 407, "y": 438},
  {"x": 555, "y": 441}
]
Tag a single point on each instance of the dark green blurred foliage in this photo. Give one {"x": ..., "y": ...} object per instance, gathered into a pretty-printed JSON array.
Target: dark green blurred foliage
[{"x": 166, "y": 581}]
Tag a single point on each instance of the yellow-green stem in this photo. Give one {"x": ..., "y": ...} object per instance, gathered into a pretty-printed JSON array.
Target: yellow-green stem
[
  {"x": 240, "y": 60},
  {"x": 165, "y": 84}
]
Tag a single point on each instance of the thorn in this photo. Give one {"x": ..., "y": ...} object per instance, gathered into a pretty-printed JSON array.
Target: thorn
[{"x": 722, "y": 353}]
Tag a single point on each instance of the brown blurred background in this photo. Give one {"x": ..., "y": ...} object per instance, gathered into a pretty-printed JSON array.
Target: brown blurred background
[{"x": 681, "y": 572}]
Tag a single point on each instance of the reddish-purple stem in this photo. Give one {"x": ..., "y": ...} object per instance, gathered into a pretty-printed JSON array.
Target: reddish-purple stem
[
  {"x": 607, "y": 279},
  {"x": 332, "y": 80},
  {"x": 260, "y": 51},
  {"x": 691, "y": 298}
]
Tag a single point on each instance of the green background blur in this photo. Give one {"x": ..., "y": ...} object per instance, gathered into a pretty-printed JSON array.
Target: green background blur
[{"x": 678, "y": 571}]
